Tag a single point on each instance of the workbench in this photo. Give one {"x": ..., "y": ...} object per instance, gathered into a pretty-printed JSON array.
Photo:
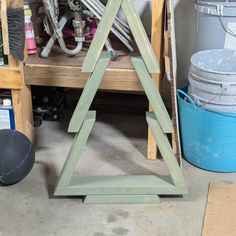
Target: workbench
[{"x": 64, "y": 71}]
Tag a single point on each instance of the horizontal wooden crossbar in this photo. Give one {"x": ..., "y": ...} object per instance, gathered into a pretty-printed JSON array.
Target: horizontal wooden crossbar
[
  {"x": 119, "y": 185},
  {"x": 10, "y": 78},
  {"x": 121, "y": 199}
]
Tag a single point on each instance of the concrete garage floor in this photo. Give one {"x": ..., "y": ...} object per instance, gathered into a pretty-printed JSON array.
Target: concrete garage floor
[{"x": 117, "y": 145}]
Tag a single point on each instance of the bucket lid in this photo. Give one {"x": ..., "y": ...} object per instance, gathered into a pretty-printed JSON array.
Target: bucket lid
[{"x": 216, "y": 7}]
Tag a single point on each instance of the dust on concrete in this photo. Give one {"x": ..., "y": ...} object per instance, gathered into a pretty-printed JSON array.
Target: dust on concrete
[{"x": 120, "y": 231}]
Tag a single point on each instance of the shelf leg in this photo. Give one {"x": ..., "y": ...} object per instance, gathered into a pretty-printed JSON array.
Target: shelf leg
[
  {"x": 157, "y": 44},
  {"x": 22, "y": 105}
]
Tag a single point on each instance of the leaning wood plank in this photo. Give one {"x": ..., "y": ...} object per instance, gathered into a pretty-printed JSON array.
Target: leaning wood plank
[
  {"x": 157, "y": 45},
  {"x": 4, "y": 23},
  {"x": 171, "y": 71},
  {"x": 121, "y": 199},
  {"x": 88, "y": 94},
  {"x": 22, "y": 101},
  {"x": 140, "y": 36},
  {"x": 153, "y": 95},
  {"x": 100, "y": 37},
  {"x": 10, "y": 78},
  {"x": 166, "y": 150},
  {"x": 76, "y": 150},
  {"x": 220, "y": 217}
]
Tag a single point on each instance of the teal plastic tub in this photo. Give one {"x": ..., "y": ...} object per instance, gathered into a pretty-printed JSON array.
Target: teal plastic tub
[{"x": 208, "y": 138}]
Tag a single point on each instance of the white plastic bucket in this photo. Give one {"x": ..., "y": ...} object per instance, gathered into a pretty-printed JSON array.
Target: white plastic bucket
[
  {"x": 212, "y": 78},
  {"x": 216, "y": 24}
]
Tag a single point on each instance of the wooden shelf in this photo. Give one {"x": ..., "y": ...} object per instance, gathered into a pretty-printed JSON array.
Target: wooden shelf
[
  {"x": 65, "y": 71},
  {"x": 10, "y": 78}
]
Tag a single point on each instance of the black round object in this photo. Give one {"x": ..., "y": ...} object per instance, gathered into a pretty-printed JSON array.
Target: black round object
[{"x": 17, "y": 157}]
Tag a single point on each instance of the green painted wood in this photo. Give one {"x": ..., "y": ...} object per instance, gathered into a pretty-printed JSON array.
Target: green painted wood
[
  {"x": 121, "y": 199},
  {"x": 140, "y": 36},
  {"x": 101, "y": 35},
  {"x": 119, "y": 185},
  {"x": 120, "y": 189},
  {"x": 166, "y": 150},
  {"x": 76, "y": 150},
  {"x": 88, "y": 94},
  {"x": 153, "y": 95}
]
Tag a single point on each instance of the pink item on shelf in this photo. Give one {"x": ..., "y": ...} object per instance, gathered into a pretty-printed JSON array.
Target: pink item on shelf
[
  {"x": 29, "y": 32},
  {"x": 92, "y": 24}
]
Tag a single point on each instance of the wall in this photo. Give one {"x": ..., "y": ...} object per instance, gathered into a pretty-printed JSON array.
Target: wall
[{"x": 185, "y": 18}]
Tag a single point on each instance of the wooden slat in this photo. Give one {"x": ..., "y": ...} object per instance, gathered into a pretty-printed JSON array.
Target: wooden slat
[
  {"x": 140, "y": 36},
  {"x": 153, "y": 96},
  {"x": 171, "y": 72},
  {"x": 121, "y": 199},
  {"x": 64, "y": 71},
  {"x": 166, "y": 150},
  {"x": 76, "y": 149},
  {"x": 4, "y": 23},
  {"x": 119, "y": 185},
  {"x": 220, "y": 215},
  {"x": 88, "y": 94},
  {"x": 100, "y": 37},
  {"x": 72, "y": 77},
  {"x": 157, "y": 45},
  {"x": 10, "y": 78}
]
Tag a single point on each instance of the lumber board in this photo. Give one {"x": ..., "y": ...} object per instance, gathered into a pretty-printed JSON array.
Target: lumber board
[
  {"x": 157, "y": 41},
  {"x": 140, "y": 36},
  {"x": 4, "y": 23},
  {"x": 10, "y": 78},
  {"x": 76, "y": 149},
  {"x": 220, "y": 214},
  {"x": 72, "y": 77},
  {"x": 166, "y": 150},
  {"x": 88, "y": 94},
  {"x": 63, "y": 71},
  {"x": 171, "y": 72},
  {"x": 119, "y": 185},
  {"x": 101, "y": 35},
  {"x": 153, "y": 96},
  {"x": 121, "y": 199}
]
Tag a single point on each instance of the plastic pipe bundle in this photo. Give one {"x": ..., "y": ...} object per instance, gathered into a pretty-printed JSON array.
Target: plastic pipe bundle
[{"x": 120, "y": 28}]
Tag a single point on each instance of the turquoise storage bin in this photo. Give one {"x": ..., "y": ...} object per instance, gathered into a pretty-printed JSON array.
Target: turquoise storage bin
[{"x": 208, "y": 138}]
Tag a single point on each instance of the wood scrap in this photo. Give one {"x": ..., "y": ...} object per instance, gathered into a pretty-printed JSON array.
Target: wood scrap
[
  {"x": 220, "y": 217},
  {"x": 171, "y": 72}
]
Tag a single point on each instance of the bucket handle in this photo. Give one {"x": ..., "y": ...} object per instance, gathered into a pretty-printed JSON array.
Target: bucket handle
[{"x": 187, "y": 96}]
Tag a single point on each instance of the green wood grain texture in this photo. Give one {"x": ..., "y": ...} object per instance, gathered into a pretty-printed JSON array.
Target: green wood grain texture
[
  {"x": 88, "y": 94},
  {"x": 120, "y": 189},
  {"x": 101, "y": 35},
  {"x": 120, "y": 185},
  {"x": 76, "y": 149},
  {"x": 121, "y": 199},
  {"x": 154, "y": 97},
  {"x": 140, "y": 36},
  {"x": 166, "y": 150}
]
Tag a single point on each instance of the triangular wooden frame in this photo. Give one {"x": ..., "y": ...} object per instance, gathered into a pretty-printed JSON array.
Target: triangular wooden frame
[{"x": 121, "y": 189}]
